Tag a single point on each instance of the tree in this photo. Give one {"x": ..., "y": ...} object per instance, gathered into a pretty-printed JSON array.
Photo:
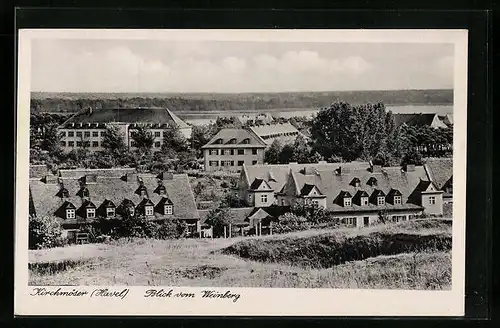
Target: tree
[
  {"x": 301, "y": 151},
  {"x": 44, "y": 232},
  {"x": 113, "y": 140},
  {"x": 201, "y": 135},
  {"x": 313, "y": 212},
  {"x": 218, "y": 218},
  {"x": 143, "y": 139},
  {"x": 412, "y": 156},
  {"x": 173, "y": 139},
  {"x": 286, "y": 154},
  {"x": 50, "y": 138},
  {"x": 315, "y": 157},
  {"x": 271, "y": 156}
]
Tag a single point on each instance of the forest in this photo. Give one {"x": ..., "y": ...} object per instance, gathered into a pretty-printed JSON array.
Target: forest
[{"x": 72, "y": 102}]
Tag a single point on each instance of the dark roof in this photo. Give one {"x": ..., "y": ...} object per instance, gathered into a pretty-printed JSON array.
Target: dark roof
[
  {"x": 145, "y": 202},
  {"x": 345, "y": 194},
  {"x": 420, "y": 119},
  {"x": 394, "y": 192},
  {"x": 157, "y": 116},
  {"x": 256, "y": 184},
  {"x": 226, "y": 135},
  {"x": 165, "y": 201},
  {"x": 306, "y": 189},
  {"x": 117, "y": 190}
]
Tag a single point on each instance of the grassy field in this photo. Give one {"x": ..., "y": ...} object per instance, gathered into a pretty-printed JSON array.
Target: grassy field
[{"x": 207, "y": 263}]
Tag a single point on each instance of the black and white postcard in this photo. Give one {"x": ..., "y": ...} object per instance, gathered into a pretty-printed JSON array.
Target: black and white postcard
[{"x": 241, "y": 172}]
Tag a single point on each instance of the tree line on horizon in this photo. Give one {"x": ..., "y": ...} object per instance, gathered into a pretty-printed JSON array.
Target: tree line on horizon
[{"x": 242, "y": 102}]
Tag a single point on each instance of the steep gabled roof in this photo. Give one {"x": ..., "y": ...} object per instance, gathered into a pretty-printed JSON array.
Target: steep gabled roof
[
  {"x": 117, "y": 190},
  {"x": 440, "y": 170},
  {"x": 150, "y": 115},
  {"x": 145, "y": 202},
  {"x": 394, "y": 192},
  {"x": 420, "y": 119},
  {"x": 306, "y": 189},
  {"x": 225, "y": 135},
  {"x": 345, "y": 194},
  {"x": 257, "y": 183}
]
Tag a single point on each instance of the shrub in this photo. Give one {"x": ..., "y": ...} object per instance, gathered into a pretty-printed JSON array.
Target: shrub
[
  {"x": 45, "y": 232},
  {"x": 313, "y": 213},
  {"x": 289, "y": 222}
]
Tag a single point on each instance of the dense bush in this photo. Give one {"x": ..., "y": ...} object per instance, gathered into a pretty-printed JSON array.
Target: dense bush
[
  {"x": 290, "y": 222},
  {"x": 45, "y": 232}
]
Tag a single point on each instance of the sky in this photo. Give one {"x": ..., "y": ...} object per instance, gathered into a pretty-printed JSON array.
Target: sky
[{"x": 91, "y": 65}]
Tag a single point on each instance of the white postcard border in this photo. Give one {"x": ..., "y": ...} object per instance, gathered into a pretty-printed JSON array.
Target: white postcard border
[{"x": 253, "y": 301}]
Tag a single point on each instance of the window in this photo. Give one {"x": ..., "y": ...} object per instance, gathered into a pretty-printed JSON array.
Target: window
[
  {"x": 157, "y": 144},
  {"x": 364, "y": 201},
  {"x": 315, "y": 202},
  {"x": 131, "y": 211},
  {"x": 347, "y": 201},
  {"x": 95, "y": 143},
  {"x": 110, "y": 212},
  {"x": 218, "y": 141},
  {"x": 240, "y": 163},
  {"x": 62, "y": 143},
  {"x": 70, "y": 214},
  {"x": 213, "y": 163},
  {"x": 102, "y": 133},
  {"x": 283, "y": 202},
  {"x": 78, "y": 143},
  {"x": 254, "y": 151},
  {"x": 148, "y": 210},
  {"x": 227, "y": 152},
  {"x": 213, "y": 152},
  {"x": 263, "y": 198},
  {"x": 157, "y": 134},
  {"x": 254, "y": 162},
  {"x": 351, "y": 221},
  {"x": 169, "y": 209},
  {"x": 71, "y": 134},
  {"x": 143, "y": 192},
  {"x": 95, "y": 134},
  {"x": 71, "y": 144},
  {"x": 90, "y": 213},
  {"x": 398, "y": 218},
  {"x": 397, "y": 200},
  {"x": 86, "y": 134},
  {"x": 380, "y": 200},
  {"x": 250, "y": 197},
  {"x": 432, "y": 200},
  {"x": 241, "y": 151},
  {"x": 79, "y": 134},
  {"x": 232, "y": 151},
  {"x": 246, "y": 141}
]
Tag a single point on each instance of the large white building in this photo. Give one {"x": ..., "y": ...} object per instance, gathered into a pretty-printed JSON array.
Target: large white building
[{"x": 86, "y": 128}]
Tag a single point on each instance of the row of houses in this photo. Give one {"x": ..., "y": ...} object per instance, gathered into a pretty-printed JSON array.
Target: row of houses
[{"x": 355, "y": 193}]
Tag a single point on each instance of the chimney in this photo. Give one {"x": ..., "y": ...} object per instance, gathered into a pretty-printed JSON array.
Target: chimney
[{"x": 410, "y": 167}]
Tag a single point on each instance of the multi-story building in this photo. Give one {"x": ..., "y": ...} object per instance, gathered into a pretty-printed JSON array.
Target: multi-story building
[
  {"x": 285, "y": 133},
  {"x": 230, "y": 149},
  {"x": 79, "y": 197},
  {"x": 86, "y": 128},
  {"x": 356, "y": 193}
]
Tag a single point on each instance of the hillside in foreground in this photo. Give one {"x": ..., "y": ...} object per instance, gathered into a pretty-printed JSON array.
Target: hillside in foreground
[
  {"x": 71, "y": 102},
  {"x": 203, "y": 262}
]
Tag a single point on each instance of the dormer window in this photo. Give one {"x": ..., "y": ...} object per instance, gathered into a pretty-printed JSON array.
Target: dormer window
[
  {"x": 364, "y": 201},
  {"x": 347, "y": 201},
  {"x": 161, "y": 190},
  {"x": 397, "y": 200},
  {"x": 232, "y": 141},
  {"x": 84, "y": 192},
  {"x": 218, "y": 141},
  {"x": 380, "y": 200},
  {"x": 65, "y": 193},
  {"x": 246, "y": 141},
  {"x": 372, "y": 182},
  {"x": 148, "y": 210},
  {"x": 110, "y": 212},
  {"x": 90, "y": 213},
  {"x": 131, "y": 211},
  {"x": 355, "y": 182},
  {"x": 169, "y": 209},
  {"x": 70, "y": 213}
]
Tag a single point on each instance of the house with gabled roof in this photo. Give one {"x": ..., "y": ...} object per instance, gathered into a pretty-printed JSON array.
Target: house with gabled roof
[
  {"x": 285, "y": 133},
  {"x": 357, "y": 193},
  {"x": 422, "y": 119},
  {"x": 230, "y": 149},
  {"x": 86, "y": 128},
  {"x": 440, "y": 171},
  {"x": 77, "y": 200}
]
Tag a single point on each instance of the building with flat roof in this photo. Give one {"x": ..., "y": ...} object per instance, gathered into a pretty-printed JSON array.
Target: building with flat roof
[
  {"x": 230, "y": 149},
  {"x": 86, "y": 128}
]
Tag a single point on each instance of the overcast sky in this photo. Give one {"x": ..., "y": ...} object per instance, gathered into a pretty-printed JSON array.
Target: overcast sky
[{"x": 173, "y": 66}]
